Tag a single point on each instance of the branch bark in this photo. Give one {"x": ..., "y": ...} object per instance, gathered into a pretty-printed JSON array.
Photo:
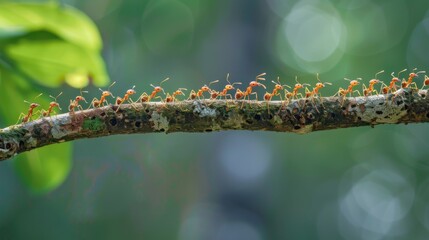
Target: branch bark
[{"x": 299, "y": 116}]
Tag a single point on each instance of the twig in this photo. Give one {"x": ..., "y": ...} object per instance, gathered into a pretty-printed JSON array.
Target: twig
[{"x": 299, "y": 116}]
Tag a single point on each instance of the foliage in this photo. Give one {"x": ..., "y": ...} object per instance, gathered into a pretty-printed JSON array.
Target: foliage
[{"x": 45, "y": 45}]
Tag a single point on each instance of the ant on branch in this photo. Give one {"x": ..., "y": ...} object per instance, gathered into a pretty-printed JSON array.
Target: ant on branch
[
  {"x": 372, "y": 82},
  {"x": 343, "y": 92},
  {"x": 224, "y": 92},
  {"x": 156, "y": 89},
  {"x": 51, "y": 106},
  {"x": 199, "y": 94},
  {"x": 172, "y": 97},
  {"x": 315, "y": 91},
  {"x": 409, "y": 82},
  {"x": 75, "y": 103},
  {"x": 27, "y": 117},
  {"x": 392, "y": 85},
  {"x": 249, "y": 90},
  {"x": 295, "y": 90},
  {"x": 277, "y": 87},
  {"x": 98, "y": 103}
]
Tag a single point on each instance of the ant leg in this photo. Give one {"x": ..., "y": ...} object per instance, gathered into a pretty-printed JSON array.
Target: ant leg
[
  {"x": 357, "y": 92},
  {"x": 20, "y": 117}
]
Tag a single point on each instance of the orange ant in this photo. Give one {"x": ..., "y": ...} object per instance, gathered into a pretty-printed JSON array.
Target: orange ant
[
  {"x": 52, "y": 105},
  {"x": 406, "y": 84},
  {"x": 199, "y": 94},
  {"x": 372, "y": 82},
  {"x": 98, "y": 103},
  {"x": 224, "y": 92},
  {"x": 353, "y": 83},
  {"x": 392, "y": 85},
  {"x": 249, "y": 90},
  {"x": 315, "y": 91},
  {"x": 75, "y": 103},
  {"x": 343, "y": 92},
  {"x": 295, "y": 90},
  {"x": 126, "y": 97},
  {"x": 252, "y": 84},
  {"x": 172, "y": 97},
  {"x": 277, "y": 87},
  {"x": 156, "y": 89},
  {"x": 26, "y": 118}
]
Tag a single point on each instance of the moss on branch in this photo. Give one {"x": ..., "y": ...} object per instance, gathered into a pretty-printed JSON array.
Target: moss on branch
[{"x": 298, "y": 116}]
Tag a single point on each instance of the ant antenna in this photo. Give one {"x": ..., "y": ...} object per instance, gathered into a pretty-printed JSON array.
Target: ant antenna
[
  {"x": 215, "y": 81},
  {"x": 259, "y": 77},
  {"x": 55, "y": 98},
  {"x": 382, "y": 71},
  {"x": 318, "y": 79},
  {"x": 163, "y": 81}
]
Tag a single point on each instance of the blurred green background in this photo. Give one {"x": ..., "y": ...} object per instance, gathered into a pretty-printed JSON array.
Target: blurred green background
[{"x": 359, "y": 183}]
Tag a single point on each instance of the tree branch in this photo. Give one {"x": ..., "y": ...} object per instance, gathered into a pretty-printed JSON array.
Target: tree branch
[{"x": 299, "y": 116}]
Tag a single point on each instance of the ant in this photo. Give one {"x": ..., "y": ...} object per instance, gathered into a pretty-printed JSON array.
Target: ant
[
  {"x": 392, "y": 85},
  {"x": 172, "y": 97},
  {"x": 199, "y": 94},
  {"x": 277, "y": 87},
  {"x": 126, "y": 97},
  {"x": 406, "y": 84},
  {"x": 98, "y": 103},
  {"x": 26, "y": 118},
  {"x": 52, "y": 105},
  {"x": 295, "y": 90},
  {"x": 224, "y": 92},
  {"x": 343, "y": 92},
  {"x": 75, "y": 103},
  {"x": 252, "y": 84},
  {"x": 372, "y": 82},
  {"x": 156, "y": 89},
  {"x": 249, "y": 90},
  {"x": 315, "y": 91},
  {"x": 353, "y": 83}
]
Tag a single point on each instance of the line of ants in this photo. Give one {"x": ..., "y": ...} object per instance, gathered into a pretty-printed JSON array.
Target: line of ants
[{"x": 292, "y": 93}]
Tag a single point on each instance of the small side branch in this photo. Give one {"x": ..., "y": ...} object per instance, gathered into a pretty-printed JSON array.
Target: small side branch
[{"x": 298, "y": 116}]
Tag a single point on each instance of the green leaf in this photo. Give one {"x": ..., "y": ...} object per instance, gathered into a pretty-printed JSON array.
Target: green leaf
[
  {"x": 41, "y": 169},
  {"x": 52, "y": 62},
  {"x": 64, "y": 21},
  {"x": 45, "y": 168}
]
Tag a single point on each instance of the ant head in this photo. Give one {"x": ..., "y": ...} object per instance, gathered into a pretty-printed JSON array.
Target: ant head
[
  {"x": 34, "y": 105},
  {"x": 106, "y": 93},
  {"x": 278, "y": 87},
  {"x": 374, "y": 81},
  {"x": 229, "y": 87},
  {"x": 158, "y": 89},
  {"x": 298, "y": 86},
  {"x": 54, "y": 104},
  {"x": 80, "y": 98},
  {"x": 205, "y": 88},
  {"x": 354, "y": 82},
  {"x": 320, "y": 85},
  {"x": 253, "y": 84},
  {"x": 131, "y": 91}
]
